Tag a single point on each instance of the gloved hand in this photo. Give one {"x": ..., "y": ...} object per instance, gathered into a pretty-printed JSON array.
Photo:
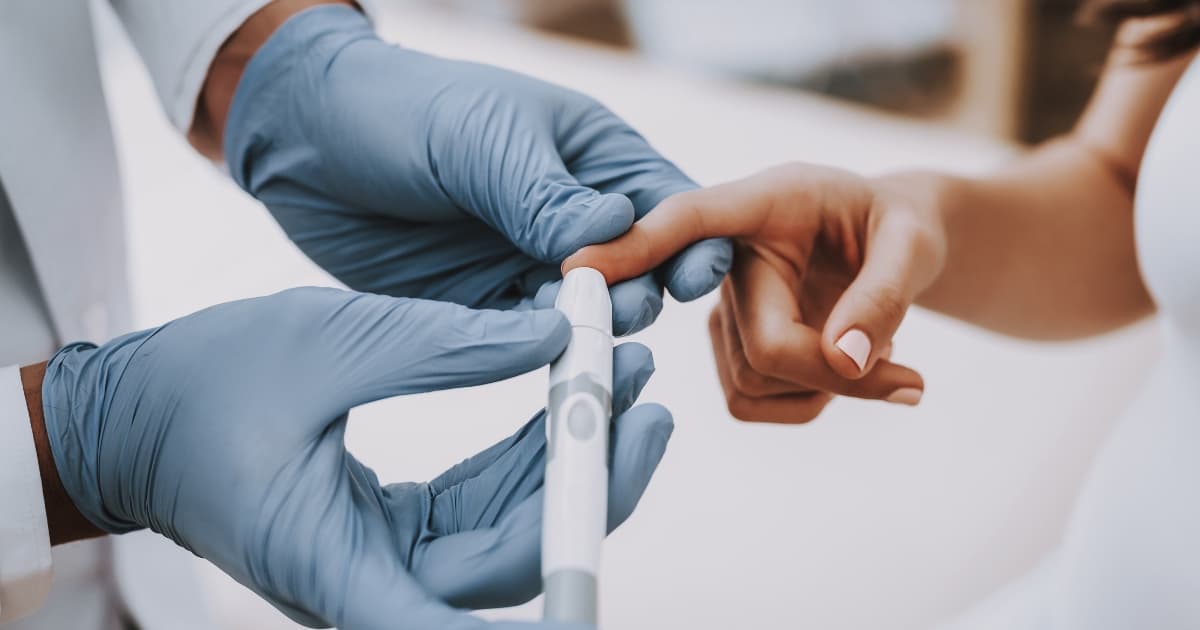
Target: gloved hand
[
  {"x": 405, "y": 174},
  {"x": 224, "y": 431}
]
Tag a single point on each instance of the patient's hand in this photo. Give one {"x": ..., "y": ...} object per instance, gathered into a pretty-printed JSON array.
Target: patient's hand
[{"x": 826, "y": 267}]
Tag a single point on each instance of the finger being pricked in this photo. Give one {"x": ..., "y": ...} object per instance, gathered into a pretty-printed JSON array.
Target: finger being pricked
[
  {"x": 778, "y": 343},
  {"x": 732, "y": 209}
]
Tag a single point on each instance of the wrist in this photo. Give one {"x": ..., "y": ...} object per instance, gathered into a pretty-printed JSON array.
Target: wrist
[
  {"x": 65, "y": 522},
  {"x": 287, "y": 104},
  {"x": 216, "y": 95}
]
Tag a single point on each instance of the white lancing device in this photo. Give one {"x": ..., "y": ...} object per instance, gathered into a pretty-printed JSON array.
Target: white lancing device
[{"x": 576, "y": 487}]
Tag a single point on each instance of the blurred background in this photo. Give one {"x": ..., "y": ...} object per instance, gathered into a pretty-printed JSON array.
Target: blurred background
[
  {"x": 871, "y": 517},
  {"x": 1018, "y": 69}
]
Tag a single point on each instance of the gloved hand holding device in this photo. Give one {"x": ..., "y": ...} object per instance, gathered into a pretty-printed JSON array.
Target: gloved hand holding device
[
  {"x": 224, "y": 431},
  {"x": 406, "y": 174}
]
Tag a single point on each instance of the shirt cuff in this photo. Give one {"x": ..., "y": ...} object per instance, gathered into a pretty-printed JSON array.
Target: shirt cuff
[
  {"x": 178, "y": 41},
  {"x": 24, "y": 535}
]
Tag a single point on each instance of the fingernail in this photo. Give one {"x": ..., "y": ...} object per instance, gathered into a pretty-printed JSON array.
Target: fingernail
[
  {"x": 856, "y": 345},
  {"x": 905, "y": 396}
]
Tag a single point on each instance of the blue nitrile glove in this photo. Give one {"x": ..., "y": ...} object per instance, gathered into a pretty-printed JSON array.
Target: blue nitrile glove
[
  {"x": 224, "y": 431},
  {"x": 406, "y": 174}
]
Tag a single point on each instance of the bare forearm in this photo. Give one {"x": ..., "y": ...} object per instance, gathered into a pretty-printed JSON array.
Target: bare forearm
[
  {"x": 1043, "y": 249},
  {"x": 65, "y": 521}
]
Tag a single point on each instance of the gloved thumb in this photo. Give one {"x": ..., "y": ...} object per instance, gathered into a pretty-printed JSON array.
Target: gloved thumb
[
  {"x": 899, "y": 263},
  {"x": 564, "y": 216}
]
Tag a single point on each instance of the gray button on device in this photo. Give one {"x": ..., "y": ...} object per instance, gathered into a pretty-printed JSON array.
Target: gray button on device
[{"x": 581, "y": 420}]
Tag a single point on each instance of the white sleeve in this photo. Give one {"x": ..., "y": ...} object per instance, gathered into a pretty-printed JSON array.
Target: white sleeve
[
  {"x": 178, "y": 41},
  {"x": 24, "y": 537}
]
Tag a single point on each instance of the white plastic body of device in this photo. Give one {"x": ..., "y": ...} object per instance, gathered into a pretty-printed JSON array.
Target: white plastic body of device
[{"x": 579, "y": 411}]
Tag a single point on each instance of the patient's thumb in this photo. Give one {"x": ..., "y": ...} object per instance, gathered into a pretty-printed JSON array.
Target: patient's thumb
[{"x": 861, "y": 325}]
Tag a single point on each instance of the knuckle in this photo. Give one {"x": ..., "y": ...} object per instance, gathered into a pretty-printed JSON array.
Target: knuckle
[{"x": 889, "y": 302}]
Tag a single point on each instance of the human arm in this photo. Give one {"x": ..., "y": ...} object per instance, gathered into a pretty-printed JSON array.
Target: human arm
[
  {"x": 832, "y": 262},
  {"x": 433, "y": 178},
  {"x": 1044, "y": 248},
  {"x": 407, "y": 174}
]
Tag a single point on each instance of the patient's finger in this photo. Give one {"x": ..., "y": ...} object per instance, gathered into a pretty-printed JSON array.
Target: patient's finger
[
  {"x": 777, "y": 342},
  {"x": 734, "y": 209},
  {"x": 900, "y": 262}
]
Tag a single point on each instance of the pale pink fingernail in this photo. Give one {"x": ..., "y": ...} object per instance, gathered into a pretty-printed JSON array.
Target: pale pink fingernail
[
  {"x": 856, "y": 345},
  {"x": 905, "y": 396}
]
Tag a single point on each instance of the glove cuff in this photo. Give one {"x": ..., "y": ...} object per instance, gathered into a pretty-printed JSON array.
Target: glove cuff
[
  {"x": 265, "y": 93},
  {"x": 73, "y": 400}
]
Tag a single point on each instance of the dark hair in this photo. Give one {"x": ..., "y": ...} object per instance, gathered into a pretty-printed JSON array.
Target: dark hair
[{"x": 1168, "y": 43}]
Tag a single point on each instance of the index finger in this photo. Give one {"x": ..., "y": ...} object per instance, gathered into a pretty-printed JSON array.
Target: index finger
[{"x": 732, "y": 209}]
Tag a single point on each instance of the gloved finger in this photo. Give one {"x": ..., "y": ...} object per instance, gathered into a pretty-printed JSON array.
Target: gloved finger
[
  {"x": 603, "y": 152},
  {"x": 465, "y": 262},
  {"x": 378, "y": 346},
  {"x": 527, "y": 194},
  {"x": 501, "y": 565},
  {"x": 899, "y": 263},
  {"x": 481, "y": 490},
  {"x": 698, "y": 269},
  {"x": 636, "y": 453},
  {"x": 610, "y": 156},
  {"x": 778, "y": 343},
  {"x": 378, "y": 594},
  {"x": 636, "y": 303}
]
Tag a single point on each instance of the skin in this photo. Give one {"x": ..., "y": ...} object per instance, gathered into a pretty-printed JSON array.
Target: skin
[
  {"x": 65, "y": 522},
  {"x": 1041, "y": 249}
]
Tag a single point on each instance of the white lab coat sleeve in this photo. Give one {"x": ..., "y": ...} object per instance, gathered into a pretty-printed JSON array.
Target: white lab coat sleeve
[
  {"x": 178, "y": 40},
  {"x": 24, "y": 536}
]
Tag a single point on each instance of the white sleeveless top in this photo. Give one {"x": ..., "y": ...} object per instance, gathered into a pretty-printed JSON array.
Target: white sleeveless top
[
  {"x": 1130, "y": 555},
  {"x": 1168, "y": 211}
]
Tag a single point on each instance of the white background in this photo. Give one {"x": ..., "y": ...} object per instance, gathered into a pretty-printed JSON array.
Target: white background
[{"x": 872, "y": 517}]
